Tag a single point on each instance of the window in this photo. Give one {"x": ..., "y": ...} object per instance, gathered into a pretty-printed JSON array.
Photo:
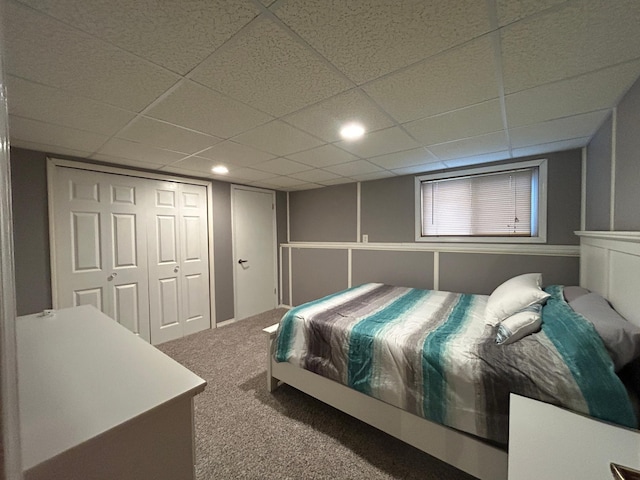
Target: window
[{"x": 504, "y": 203}]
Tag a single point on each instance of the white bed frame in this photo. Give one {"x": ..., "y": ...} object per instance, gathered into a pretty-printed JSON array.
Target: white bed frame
[{"x": 609, "y": 265}]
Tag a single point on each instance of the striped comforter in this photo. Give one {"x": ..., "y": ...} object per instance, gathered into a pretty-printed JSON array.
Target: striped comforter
[{"x": 431, "y": 353}]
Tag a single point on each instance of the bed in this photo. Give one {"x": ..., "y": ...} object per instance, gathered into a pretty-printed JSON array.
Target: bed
[{"x": 439, "y": 380}]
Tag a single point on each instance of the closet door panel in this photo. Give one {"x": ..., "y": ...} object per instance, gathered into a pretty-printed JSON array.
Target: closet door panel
[
  {"x": 165, "y": 289},
  {"x": 100, "y": 243},
  {"x": 194, "y": 254}
]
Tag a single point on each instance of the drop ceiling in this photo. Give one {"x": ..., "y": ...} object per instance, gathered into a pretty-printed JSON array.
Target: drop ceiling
[{"x": 263, "y": 87}]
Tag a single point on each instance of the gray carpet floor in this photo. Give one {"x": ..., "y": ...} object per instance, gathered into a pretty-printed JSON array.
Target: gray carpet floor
[{"x": 245, "y": 432}]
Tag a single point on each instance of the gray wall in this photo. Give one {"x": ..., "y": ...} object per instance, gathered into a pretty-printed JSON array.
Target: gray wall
[
  {"x": 405, "y": 269},
  {"x": 30, "y": 231},
  {"x": 31, "y": 236},
  {"x": 387, "y": 207},
  {"x": 598, "y": 200},
  {"x": 482, "y": 273},
  {"x": 324, "y": 215},
  {"x": 387, "y": 216},
  {"x": 627, "y": 161},
  {"x": 626, "y": 169}
]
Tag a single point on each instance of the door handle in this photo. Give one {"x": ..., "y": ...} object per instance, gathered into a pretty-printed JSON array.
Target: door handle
[{"x": 242, "y": 261}]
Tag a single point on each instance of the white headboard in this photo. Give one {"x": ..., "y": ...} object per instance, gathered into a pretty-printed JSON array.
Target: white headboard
[{"x": 610, "y": 266}]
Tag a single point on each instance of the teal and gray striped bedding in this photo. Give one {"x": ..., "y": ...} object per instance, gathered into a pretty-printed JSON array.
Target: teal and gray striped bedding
[{"x": 430, "y": 353}]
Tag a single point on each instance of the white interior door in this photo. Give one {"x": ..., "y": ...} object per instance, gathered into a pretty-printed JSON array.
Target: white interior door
[
  {"x": 178, "y": 261},
  {"x": 254, "y": 247},
  {"x": 101, "y": 246}
]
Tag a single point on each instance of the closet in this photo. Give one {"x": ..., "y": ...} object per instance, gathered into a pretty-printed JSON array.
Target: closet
[{"x": 135, "y": 248}]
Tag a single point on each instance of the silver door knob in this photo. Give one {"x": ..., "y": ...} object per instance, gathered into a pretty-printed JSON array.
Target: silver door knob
[
  {"x": 112, "y": 276},
  {"x": 176, "y": 268}
]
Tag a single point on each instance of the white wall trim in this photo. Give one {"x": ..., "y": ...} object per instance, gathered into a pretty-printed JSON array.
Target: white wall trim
[
  {"x": 436, "y": 270},
  {"x": 583, "y": 191},
  {"x": 280, "y": 270},
  {"x": 290, "y": 281},
  {"x": 358, "y": 212},
  {"x": 288, "y": 219},
  {"x": 349, "y": 268},
  {"x": 612, "y": 199},
  {"x": 525, "y": 249},
  {"x": 621, "y": 236}
]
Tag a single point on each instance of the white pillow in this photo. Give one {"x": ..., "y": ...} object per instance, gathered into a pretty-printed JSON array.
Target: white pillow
[
  {"x": 519, "y": 325},
  {"x": 514, "y": 295}
]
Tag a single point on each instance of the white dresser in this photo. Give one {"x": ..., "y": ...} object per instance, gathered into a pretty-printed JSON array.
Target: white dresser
[
  {"x": 97, "y": 402},
  {"x": 551, "y": 443}
]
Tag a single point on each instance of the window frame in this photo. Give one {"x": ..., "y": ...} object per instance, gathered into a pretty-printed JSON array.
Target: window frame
[{"x": 541, "y": 237}]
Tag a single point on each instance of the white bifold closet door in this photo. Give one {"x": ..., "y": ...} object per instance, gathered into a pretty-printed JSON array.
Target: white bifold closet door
[
  {"x": 101, "y": 246},
  {"x": 135, "y": 248},
  {"x": 178, "y": 261}
]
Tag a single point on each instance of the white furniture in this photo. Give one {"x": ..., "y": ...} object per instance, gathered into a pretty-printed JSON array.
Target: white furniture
[
  {"x": 610, "y": 265},
  {"x": 98, "y": 402},
  {"x": 555, "y": 444},
  {"x": 135, "y": 248}
]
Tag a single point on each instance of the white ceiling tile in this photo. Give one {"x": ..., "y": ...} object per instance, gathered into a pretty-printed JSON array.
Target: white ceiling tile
[
  {"x": 233, "y": 154},
  {"x": 195, "y": 164},
  {"x": 245, "y": 173},
  {"x": 581, "y": 37},
  {"x": 39, "y": 102},
  {"x": 164, "y": 135},
  {"x": 337, "y": 181},
  {"x": 365, "y": 177},
  {"x": 183, "y": 171},
  {"x": 196, "y": 107},
  {"x": 493, "y": 142},
  {"x": 268, "y": 68},
  {"x": 117, "y": 147},
  {"x": 426, "y": 167},
  {"x": 325, "y": 119},
  {"x": 407, "y": 158},
  {"x": 304, "y": 186},
  {"x": 478, "y": 159},
  {"x": 173, "y": 34},
  {"x": 55, "y": 135},
  {"x": 359, "y": 167},
  {"x": 42, "y": 49},
  {"x": 125, "y": 161},
  {"x": 284, "y": 182},
  {"x": 316, "y": 175},
  {"x": 323, "y": 156},
  {"x": 568, "y": 128},
  {"x": 551, "y": 147},
  {"x": 278, "y": 138},
  {"x": 368, "y": 39},
  {"x": 379, "y": 143},
  {"x": 475, "y": 120},
  {"x": 586, "y": 93},
  {"x": 510, "y": 11},
  {"x": 54, "y": 149},
  {"x": 439, "y": 84},
  {"x": 281, "y": 166}
]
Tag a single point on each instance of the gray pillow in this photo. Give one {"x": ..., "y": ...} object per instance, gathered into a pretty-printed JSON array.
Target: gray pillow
[
  {"x": 572, "y": 293},
  {"x": 620, "y": 337}
]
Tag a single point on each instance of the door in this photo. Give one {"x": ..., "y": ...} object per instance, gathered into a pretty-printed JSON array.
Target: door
[
  {"x": 254, "y": 249},
  {"x": 178, "y": 260},
  {"x": 101, "y": 245}
]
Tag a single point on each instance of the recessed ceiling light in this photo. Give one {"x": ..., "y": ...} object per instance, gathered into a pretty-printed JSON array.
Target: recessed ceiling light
[
  {"x": 351, "y": 131},
  {"x": 220, "y": 169}
]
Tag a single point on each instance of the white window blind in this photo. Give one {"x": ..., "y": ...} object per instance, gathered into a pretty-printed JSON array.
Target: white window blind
[{"x": 493, "y": 204}]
